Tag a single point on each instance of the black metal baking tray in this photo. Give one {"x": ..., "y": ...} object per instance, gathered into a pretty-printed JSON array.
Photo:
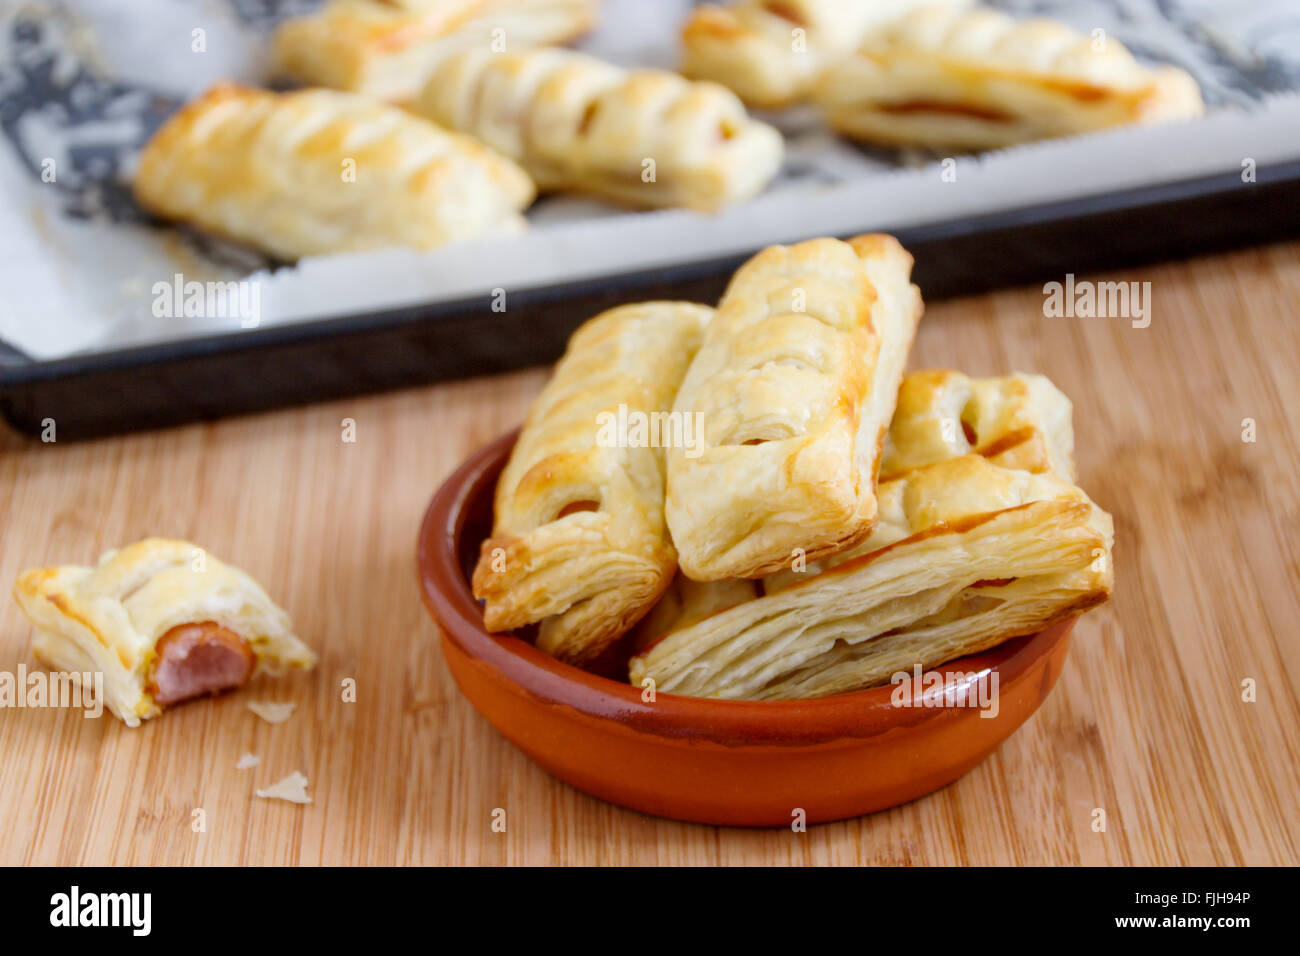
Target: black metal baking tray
[{"x": 221, "y": 375}]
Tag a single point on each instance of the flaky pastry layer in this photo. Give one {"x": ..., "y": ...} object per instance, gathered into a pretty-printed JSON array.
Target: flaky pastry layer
[
  {"x": 771, "y": 52},
  {"x": 640, "y": 137},
  {"x": 388, "y": 48},
  {"x": 110, "y": 617},
  {"x": 977, "y": 79},
  {"x": 579, "y": 543},
  {"x": 317, "y": 171},
  {"x": 795, "y": 385},
  {"x": 966, "y": 555}
]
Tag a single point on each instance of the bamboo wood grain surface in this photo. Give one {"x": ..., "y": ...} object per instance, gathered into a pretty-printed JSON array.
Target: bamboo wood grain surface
[{"x": 1147, "y": 723}]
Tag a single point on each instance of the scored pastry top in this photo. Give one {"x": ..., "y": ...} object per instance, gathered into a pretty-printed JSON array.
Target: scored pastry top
[
  {"x": 387, "y": 48},
  {"x": 794, "y": 386},
  {"x": 271, "y": 169},
  {"x": 645, "y": 137},
  {"x": 1018, "y": 421},
  {"x": 992, "y": 41},
  {"x": 579, "y": 543},
  {"x": 772, "y": 51}
]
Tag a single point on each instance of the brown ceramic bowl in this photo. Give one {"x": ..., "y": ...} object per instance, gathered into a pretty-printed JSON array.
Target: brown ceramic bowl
[{"x": 741, "y": 763}]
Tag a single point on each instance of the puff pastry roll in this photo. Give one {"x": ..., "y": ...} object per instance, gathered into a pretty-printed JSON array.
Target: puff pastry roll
[
  {"x": 388, "y": 48},
  {"x": 1016, "y": 421},
  {"x": 794, "y": 385},
  {"x": 579, "y": 544},
  {"x": 315, "y": 172},
  {"x": 640, "y": 137},
  {"x": 978, "y": 79},
  {"x": 771, "y": 52},
  {"x": 162, "y": 620},
  {"x": 966, "y": 555}
]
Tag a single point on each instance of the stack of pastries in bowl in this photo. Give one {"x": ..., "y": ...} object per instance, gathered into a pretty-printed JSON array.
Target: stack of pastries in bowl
[{"x": 755, "y": 502}]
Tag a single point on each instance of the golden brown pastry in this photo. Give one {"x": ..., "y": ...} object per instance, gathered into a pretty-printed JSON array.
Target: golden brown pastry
[
  {"x": 966, "y": 555},
  {"x": 771, "y": 52},
  {"x": 579, "y": 544},
  {"x": 977, "y": 79},
  {"x": 1016, "y": 421},
  {"x": 316, "y": 172},
  {"x": 795, "y": 385},
  {"x": 388, "y": 48},
  {"x": 162, "y": 620},
  {"x": 640, "y": 137}
]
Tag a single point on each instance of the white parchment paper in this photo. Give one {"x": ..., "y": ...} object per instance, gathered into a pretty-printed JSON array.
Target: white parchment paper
[{"x": 83, "y": 83}]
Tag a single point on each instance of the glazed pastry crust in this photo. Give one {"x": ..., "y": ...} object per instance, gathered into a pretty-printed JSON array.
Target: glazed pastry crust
[
  {"x": 795, "y": 386},
  {"x": 1016, "y": 421},
  {"x": 978, "y": 79},
  {"x": 965, "y": 556},
  {"x": 578, "y": 123},
  {"x": 579, "y": 543},
  {"x": 388, "y": 48},
  {"x": 110, "y": 617},
  {"x": 771, "y": 52},
  {"x": 268, "y": 169}
]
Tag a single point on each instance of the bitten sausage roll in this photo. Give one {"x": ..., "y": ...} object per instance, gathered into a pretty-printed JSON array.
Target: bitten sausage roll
[
  {"x": 967, "y": 553},
  {"x": 794, "y": 385},
  {"x": 388, "y": 48},
  {"x": 315, "y": 172},
  {"x": 162, "y": 620},
  {"x": 771, "y": 52},
  {"x": 977, "y": 79},
  {"x": 641, "y": 137},
  {"x": 579, "y": 544}
]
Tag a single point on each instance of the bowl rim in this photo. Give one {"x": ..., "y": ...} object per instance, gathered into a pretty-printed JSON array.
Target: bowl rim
[{"x": 863, "y": 713}]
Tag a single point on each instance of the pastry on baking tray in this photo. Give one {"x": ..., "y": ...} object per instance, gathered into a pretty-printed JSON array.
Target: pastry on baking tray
[
  {"x": 771, "y": 52},
  {"x": 162, "y": 620},
  {"x": 388, "y": 48},
  {"x": 966, "y": 555},
  {"x": 640, "y": 137},
  {"x": 316, "y": 171},
  {"x": 978, "y": 79},
  {"x": 579, "y": 545},
  {"x": 794, "y": 386}
]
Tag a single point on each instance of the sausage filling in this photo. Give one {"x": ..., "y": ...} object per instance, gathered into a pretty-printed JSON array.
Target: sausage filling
[{"x": 198, "y": 659}]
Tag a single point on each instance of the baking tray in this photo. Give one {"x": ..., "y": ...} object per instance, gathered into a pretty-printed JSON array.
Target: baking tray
[
  {"x": 230, "y": 374},
  {"x": 93, "y": 361}
]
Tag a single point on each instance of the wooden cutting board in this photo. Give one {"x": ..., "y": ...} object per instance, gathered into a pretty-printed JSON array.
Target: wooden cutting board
[{"x": 1147, "y": 723}]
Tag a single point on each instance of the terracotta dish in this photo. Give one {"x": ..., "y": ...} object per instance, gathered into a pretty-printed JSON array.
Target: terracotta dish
[{"x": 737, "y": 763}]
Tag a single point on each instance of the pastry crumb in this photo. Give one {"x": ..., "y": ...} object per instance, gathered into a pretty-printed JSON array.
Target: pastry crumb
[
  {"x": 273, "y": 712},
  {"x": 292, "y": 789},
  {"x": 246, "y": 761}
]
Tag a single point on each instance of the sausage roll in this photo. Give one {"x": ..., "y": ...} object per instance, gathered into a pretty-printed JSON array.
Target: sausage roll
[
  {"x": 162, "y": 620},
  {"x": 640, "y": 137},
  {"x": 1016, "y": 421},
  {"x": 966, "y": 555},
  {"x": 316, "y": 172},
  {"x": 579, "y": 545},
  {"x": 794, "y": 385},
  {"x": 771, "y": 52},
  {"x": 388, "y": 48},
  {"x": 977, "y": 79}
]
